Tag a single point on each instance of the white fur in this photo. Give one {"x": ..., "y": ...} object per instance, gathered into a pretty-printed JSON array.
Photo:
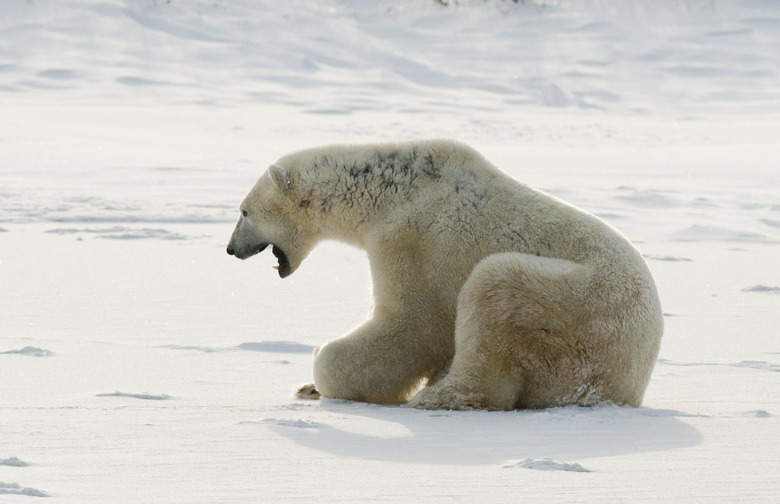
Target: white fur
[{"x": 496, "y": 295}]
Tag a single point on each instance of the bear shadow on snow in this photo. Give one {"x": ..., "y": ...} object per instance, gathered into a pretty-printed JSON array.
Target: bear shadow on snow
[{"x": 484, "y": 438}]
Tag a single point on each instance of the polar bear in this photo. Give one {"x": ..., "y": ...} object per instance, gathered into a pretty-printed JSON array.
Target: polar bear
[{"x": 488, "y": 294}]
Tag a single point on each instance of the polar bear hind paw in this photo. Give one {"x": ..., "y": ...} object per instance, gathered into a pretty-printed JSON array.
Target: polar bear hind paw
[
  {"x": 307, "y": 391},
  {"x": 440, "y": 397}
]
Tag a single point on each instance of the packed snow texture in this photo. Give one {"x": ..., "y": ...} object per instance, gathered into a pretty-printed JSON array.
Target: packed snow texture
[{"x": 140, "y": 363}]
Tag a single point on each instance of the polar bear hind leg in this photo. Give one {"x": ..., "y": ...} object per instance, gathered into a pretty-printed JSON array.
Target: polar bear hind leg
[{"x": 515, "y": 340}]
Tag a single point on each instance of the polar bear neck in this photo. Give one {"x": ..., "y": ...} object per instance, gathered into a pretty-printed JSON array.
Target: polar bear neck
[{"x": 354, "y": 187}]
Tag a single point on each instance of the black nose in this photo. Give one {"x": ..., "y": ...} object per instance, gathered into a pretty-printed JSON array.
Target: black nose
[{"x": 230, "y": 251}]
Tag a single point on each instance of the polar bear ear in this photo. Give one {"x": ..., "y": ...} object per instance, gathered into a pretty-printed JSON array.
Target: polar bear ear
[{"x": 281, "y": 178}]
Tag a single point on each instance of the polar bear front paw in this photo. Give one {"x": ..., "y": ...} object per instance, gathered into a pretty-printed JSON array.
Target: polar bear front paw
[{"x": 307, "y": 391}]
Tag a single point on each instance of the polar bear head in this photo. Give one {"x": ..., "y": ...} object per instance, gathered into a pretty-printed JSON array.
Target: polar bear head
[{"x": 273, "y": 214}]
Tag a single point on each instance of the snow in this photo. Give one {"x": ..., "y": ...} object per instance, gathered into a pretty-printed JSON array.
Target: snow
[
  {"x": 13, "y": 462},
  {"x": 547, "y": 464},
  {"x": 140, "y": 363}
]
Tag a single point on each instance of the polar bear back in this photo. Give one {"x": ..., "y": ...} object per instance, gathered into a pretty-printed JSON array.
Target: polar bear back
[{"x": 460, "y": 202}]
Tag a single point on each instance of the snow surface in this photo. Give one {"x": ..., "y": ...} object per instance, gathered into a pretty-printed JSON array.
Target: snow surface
[{"x": 140, "y": 363}]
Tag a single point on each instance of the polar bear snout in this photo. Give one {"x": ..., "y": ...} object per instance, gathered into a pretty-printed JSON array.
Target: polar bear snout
[{"x": 245, "y": 252}]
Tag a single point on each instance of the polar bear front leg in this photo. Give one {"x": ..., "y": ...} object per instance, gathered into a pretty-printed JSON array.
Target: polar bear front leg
[{"x": 382, "y": 362}]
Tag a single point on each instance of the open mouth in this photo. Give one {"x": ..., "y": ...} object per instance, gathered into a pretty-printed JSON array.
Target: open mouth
[
  {"x": 283, "y": 267},
  {"x": 284, "y": 263}
]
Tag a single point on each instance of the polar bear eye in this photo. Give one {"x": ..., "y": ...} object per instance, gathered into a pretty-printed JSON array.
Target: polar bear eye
[{"x": 244, "y": 213}]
